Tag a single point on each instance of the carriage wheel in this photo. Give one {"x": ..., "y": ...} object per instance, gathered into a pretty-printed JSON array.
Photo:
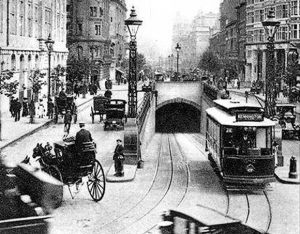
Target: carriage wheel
[
  {"x": 96, "y": 182},
  {"x": 54, "y": 171}
]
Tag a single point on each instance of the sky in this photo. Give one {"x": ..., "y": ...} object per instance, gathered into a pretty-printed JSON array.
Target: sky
[{"x": 158, "y": 17}]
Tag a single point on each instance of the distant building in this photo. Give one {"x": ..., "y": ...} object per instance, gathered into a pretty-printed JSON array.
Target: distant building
[
  {"x": 24, "y": 27},
  {"x": 193, "y": 38},
  {"x": 117, "y": 33},
  {"x": 88, "y": 35}
]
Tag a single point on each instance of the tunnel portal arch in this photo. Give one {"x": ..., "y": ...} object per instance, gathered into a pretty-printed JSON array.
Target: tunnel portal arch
[{"x": 178, "y": 115}]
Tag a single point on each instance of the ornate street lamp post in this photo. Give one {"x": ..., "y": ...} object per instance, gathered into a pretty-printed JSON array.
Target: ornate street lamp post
[
  {"x": 292, "y": 65},
  {"x": 49, "y": 43},
  {"x": 133, "y": 24},
  {"x": 172, "y": 61},
  {"x": 178, "y": 48},
  {"x": 271, "y": 26}
]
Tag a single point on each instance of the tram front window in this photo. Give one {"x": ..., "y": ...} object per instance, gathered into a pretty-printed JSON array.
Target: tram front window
[{"x": 247, "y": 140}]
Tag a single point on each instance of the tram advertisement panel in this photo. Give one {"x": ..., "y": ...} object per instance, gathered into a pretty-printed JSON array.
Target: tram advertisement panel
[{"x": 249, "y": 116}]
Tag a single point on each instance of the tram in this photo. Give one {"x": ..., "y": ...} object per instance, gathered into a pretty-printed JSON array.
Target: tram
[{"x": 239, "y": 140}]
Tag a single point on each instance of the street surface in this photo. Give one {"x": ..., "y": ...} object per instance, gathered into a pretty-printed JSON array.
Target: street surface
[{"x": 176, "y": 173}]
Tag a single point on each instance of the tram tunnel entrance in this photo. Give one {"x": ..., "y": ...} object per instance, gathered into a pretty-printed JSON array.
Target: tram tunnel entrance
[{"x": 177, "y": 118}]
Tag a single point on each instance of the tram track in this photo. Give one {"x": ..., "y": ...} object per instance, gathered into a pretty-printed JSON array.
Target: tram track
[
  {"x": 164, "y": 191},
  {"x": 247, "y": 204}
]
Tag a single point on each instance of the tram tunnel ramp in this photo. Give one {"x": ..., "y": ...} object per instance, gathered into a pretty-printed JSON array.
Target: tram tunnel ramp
[{"x": 177, "y": 118}]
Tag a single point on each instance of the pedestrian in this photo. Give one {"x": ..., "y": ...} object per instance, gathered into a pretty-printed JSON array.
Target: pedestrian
[
  {"x": 67, "y": 122},
  {"x": 119, "y": 159},
  {"x": 238, "y": 84},
  {"x": 12, "y": 107},
  {"x": 108, "y": 94},
  {"x": 17, "y": 110},
  {"x": 94, "y": 88},
  {"x": 50, "y": 109},
  {"x": 62, "y": 94},
  {"x": 108, "y": 84},
  {"x": 41, "y": 109},
  {"x": 25, "y": 108},
  {"x": 76, "y": 90},
  {"x": 31, "y": 111},
  {"x": 275, "y": 152}
]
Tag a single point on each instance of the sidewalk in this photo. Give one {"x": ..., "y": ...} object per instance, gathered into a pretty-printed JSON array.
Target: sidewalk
[
  {"x": 281, "y": 173},
  {"x": 13, "y": 131}
]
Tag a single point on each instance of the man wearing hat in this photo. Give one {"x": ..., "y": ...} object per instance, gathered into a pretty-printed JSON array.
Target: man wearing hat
[
  {"x": 119, "y": 158},
  {"x": 82, "y": 136}
]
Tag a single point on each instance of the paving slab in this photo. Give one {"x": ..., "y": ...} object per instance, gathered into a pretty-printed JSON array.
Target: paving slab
[{"x": 129, "y": 174}]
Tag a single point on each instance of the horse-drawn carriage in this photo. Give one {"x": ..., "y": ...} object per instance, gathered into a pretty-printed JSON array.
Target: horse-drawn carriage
[
  {"x": 115, "y": 114},
  {"x": 27, "y": 197},
  {"x": 62, "y": 104},
  {"x": 285, "y": 113},
  {"x": 99, "y": 107},
  {"x": 72, "y": 166}
]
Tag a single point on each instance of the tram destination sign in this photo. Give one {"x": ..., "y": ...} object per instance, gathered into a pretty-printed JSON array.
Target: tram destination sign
[{"x": 249, "y": 116}]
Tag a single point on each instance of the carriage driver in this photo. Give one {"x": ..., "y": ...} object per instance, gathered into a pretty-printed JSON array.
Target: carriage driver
[{"x": 82, "y": 136}]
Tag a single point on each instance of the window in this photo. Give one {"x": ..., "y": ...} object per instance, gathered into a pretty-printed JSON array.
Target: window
[
  {"x": 13, "y": 62},
  {"x": 30, "y": 20},
  {"x": 93, "y": 11},
  {"x": 21, "y": 23},
  {"x": 282, "y": 33},
  {"x": 257, "y": 16},
  {"x": 294, "y": 31},
  {"x": 281, "y": 11},
  {"x": 79, "y": 29},
  {"x": 256, "y": 35},
  {"x": 250, "y": 2},
  {"x": 261, "y": 35},
  {"x": 250, "y": 17},
  {"x": 97, "y": 29},
  {"x": 101, "y": 11},
  {"x": 13, "y": 15},
  {"x": 294, "y": 8},
  {"x": 250, "y": 36},
  {"x": 48, "y": 21}
]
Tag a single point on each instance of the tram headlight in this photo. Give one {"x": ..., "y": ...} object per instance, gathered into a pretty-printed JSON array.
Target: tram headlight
[{"x": 250, "y": 168}]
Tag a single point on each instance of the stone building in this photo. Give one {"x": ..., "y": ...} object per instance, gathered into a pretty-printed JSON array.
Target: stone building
[
  {"x": 287, "y": 12},
  {"x": 88, "y": 36},
  {"x": 117, "y": 33},
  {"x": 202, "y": 26},
  {"x": 241, "y": 39},
  {"x": 24, "y": 27},
  {"x": 193, "y": 37}
]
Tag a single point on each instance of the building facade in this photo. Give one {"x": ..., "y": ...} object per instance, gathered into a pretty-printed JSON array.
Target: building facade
[
  {"x": 88, "y": 25},
  {"x": 241, "y": 39},
  {"x": 193, "y": 38},
  {"x": 117, "y": 33},
  {"x": 288, "y": 14},
  {"x": 24, "y": 27}
]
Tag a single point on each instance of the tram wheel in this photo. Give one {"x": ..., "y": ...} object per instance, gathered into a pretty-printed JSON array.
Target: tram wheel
[{"x": 96, "y": 182}]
